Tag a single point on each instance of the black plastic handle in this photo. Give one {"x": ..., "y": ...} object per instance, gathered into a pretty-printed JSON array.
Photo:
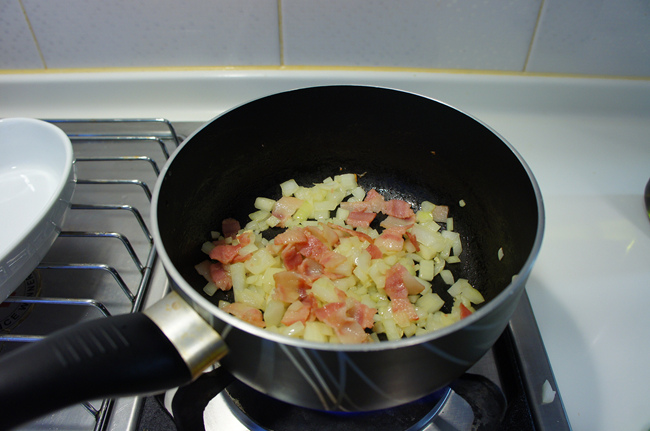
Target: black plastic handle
[{"x": 103, "y": 358}]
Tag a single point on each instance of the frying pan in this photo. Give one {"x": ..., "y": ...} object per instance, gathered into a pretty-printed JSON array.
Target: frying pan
[{"x": 406, "y": 146}]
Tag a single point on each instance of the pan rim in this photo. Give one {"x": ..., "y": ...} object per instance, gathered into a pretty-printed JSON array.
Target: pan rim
[{"x": 511, "y": 289}]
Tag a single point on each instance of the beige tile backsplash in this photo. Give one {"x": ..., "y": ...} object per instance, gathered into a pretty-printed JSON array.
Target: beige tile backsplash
[{"x": 592, "y": 37}]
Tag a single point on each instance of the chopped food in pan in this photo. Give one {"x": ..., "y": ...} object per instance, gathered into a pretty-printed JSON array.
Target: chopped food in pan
[{"x": 348, "y": 266}]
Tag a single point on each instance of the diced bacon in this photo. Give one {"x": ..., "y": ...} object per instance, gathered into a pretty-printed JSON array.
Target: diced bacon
[
  {"x": 350, "y": 332},
  {"x": 343, "y": 296},
  {"x": 374, "y": 251},
  {"x": 325, "y": 234},
  {"x": 310, "y": 301},
  {"x": 332, "y": 313},
  {"x": 363, "y": 314},
  {"x": 400, "y": 283},
  {"x": 464, "y": 311},
  {"x": 246, "y": 313},
  {"x": 285, "y": 207},
  {"x": 398, "y": 208},
  {"x": 395, "y": 287},
  {"x": 313, "y": 248},
  {"x": 246, "y": 238},
  {"x": 230, "y": 227},
  {"x": 289, "y": 286},
  {"x": 229, "y": 253},
  {"x": 440, "y": 213},
  {"x": 355, "y": 206},
  {"x": 291, "y": 258},
  {"x": 360, "y": 219},
  {"x": 391, "y": 221},
  {"x": 220, "y": 276},
  {"x": 403, "y": 311},
  {"x": 296, "y": 312},
  {"x": 351, "y": 232},
  {"x": 390, "y": 240},
  {"x": 274, "y": 249},
  {"x": 310, "y": 269},
  {"x": 240, "y": 258},
  {"x": 225, "y": 253},
  {"x": 334, "y": 275},
  {"x": 411, "y": 282},
  {"x": 346, "y": 327},
  {"x": 331, "y": 259},
  {"x": 374, "y": 203},
  {"x": 331, "y": 237},
  {"x": 290, "y": 236},
  {"x": 413, "y": 240},
  {"x": 374, "y": 200}
]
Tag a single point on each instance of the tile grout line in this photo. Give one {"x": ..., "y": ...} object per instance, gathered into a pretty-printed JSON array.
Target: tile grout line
[
  {"x": 532, "y": 39},
  {"x": 31, "y": 30},
  {"x": 280, "y": 33}
]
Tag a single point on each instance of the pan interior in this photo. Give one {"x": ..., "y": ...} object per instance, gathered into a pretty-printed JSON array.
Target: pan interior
[{"x": 406, "y": 146}]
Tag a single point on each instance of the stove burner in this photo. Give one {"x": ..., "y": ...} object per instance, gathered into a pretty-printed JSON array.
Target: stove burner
[
  {"x": 12, "y": 314},
  {"x": 261, "y": 412}
]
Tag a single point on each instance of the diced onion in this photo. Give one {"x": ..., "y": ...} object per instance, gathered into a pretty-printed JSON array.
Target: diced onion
[
  {"x": 264, "y": 204},
  {"x": 447, "y": 276},
  {"x": 207, "y": 247},
  {"x": 210, "y": 289},
  {"x": 427, "y": 271},
  {"x": 289, "y": 187},
  {"x": 273, "y": 312},
  {"x": 548, "y": 394}
]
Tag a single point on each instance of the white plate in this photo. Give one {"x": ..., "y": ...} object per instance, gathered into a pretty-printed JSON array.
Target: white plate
[{"x": 36, "y": 184}]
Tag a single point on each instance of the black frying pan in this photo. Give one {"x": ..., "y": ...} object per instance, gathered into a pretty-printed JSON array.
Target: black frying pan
[{"x": 407, "y": 147}]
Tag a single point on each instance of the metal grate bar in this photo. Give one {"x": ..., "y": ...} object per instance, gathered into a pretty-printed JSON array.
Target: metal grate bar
[
  {"x": 125, "y": 241},
  {"x": 167, "y": 125},
  {"x": 149, "y": 160},
  {"x": 129, "y": 208},
  {"x": 61, "y": 301},
  {"x": 160, "y": 142},
  {"x": 92, "y": 266},
  {"x": 140, "y": 183}
]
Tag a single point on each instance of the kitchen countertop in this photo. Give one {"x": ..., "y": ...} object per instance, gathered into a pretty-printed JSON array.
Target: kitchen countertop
[{"x": 587, "y": 140}]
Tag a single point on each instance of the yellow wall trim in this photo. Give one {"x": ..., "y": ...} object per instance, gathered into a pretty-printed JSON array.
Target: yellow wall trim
[{"x": 313, "y": 68}]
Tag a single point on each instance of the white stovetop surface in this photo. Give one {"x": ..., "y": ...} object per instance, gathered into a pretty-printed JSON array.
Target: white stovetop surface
[{"x": 586, "y": 140}]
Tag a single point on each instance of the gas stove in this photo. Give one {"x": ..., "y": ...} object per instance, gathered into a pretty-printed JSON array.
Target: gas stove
[{"x": 104, "y": 263}]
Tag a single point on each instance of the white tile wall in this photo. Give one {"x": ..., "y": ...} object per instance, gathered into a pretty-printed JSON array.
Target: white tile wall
[
  {"x": 17, "y": 47},
  {"x": 126, "y": 33},
  {"x": 608, "y": 37},
  {"x": 487, "y": 34},
  {"x": 603, "y": 37}
]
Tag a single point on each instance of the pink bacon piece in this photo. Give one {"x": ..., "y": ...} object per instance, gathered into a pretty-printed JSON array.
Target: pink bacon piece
[
  {"x": 285, "y": 207},
  {"x": 360, "y": 219},
  {"x": 348, "y": 319},
  {"x": 399, "y": 284},
  {"x": 230, "y": 227},
  {"x": 246, "y": 313}
]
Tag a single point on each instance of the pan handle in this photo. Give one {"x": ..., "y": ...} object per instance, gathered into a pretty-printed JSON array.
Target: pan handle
[{"x": 108, "y": 357}]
